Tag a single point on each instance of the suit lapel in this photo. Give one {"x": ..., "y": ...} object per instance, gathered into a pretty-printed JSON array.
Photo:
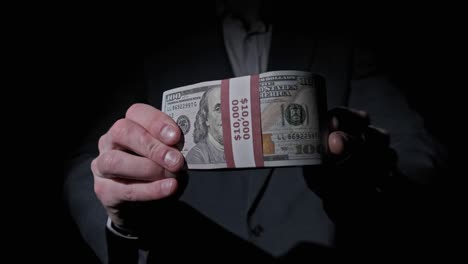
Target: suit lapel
[
  {"x": 198, "y": 55},
  {"x": 290, "y": 50},
  {"x": 332, "y": 59},
  {"x": 307, "y": 50}
]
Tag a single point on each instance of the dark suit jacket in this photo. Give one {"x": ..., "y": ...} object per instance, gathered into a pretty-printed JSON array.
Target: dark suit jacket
[{"x": 274, "y": 212}]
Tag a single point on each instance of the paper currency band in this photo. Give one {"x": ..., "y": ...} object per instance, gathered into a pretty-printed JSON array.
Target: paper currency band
[{"x": 235, "y": 138}]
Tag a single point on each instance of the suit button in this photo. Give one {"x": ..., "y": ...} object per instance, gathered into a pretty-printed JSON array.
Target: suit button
[{"x": 257, "y": 230}]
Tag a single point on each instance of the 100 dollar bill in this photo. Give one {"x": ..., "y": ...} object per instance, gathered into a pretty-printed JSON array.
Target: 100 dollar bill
[{"x": 266, "y": 120}]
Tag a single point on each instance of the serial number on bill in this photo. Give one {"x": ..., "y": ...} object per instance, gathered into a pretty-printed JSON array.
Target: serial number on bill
[{"x": 296, "y": 136}]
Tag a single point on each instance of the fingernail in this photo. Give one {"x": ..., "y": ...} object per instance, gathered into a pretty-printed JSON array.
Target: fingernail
[
  {"x": 168, "y": 133},
  {"x": 171, "y": 158},
  {"x": 362, "y": 113},
  {"x": 335, "y": 123},
  {"x": 167, "y": 186}
]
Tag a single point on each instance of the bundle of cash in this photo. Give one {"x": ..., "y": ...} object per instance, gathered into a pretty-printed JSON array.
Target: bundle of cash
[{"x": 267, "y": 120}]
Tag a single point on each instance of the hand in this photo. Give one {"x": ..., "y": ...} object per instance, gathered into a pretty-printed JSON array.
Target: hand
[
  {"x": 359, "y": 185},
  {"x": 355, "y": 144},
  {"x": 136, "y": 162},
  {"x": 358, "y": 159}
]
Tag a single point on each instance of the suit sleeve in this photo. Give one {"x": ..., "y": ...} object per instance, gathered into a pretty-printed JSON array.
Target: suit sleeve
[
  {"x": 420, "y": 156},
  {"x": 78, "y": 190}
]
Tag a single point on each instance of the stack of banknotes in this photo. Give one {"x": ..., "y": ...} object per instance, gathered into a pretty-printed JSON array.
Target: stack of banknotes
[{"x": 271, "y": 119}]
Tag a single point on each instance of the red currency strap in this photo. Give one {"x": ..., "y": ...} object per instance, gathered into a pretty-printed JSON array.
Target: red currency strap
[{"x": 256, "y": 122}]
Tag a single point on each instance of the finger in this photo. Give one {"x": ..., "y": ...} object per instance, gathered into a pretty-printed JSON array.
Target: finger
[
  {"x": 157, "y": 123},
  {"x": 373, "y": 137},
  {"x": 112, "y": 192},
  {"x": 349, "y": 120},
  {"x": 338, "y": 142},
  {"x": 105, "y": 143},
  {"x": 134, "y": 137},
  {"x": 119, "y": 164}
]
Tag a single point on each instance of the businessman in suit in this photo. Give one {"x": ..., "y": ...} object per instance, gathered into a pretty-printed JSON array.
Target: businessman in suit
[{"x": 133, "y": 200}]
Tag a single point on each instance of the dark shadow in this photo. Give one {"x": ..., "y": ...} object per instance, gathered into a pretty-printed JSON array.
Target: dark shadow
[
  {"x": 178, "y": 232},
  {"x": 70, "y": 242}
]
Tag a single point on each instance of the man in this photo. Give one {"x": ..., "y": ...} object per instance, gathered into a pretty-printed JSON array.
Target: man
[
  {"x": 208, "y": 133},
  {"x": 355, "y": 204}
]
